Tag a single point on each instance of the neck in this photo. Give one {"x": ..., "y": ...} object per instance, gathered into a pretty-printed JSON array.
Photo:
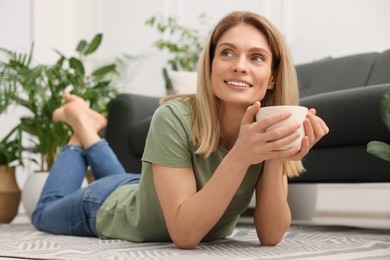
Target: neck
[{"x": 230, "y": 120}]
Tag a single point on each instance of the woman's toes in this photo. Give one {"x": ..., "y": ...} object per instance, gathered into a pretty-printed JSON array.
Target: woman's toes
[
  {"x": 73, "y": 98},
  {"x": 58, "y": 114}
]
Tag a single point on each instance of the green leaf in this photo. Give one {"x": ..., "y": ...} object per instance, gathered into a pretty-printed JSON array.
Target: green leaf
[
  {"x": 81, "y": 46},
  {"x": 168, "y": 82},
  {"x": 59, "y": 63},
  {"x": 92, "y": 47},
  {"x": 385, "y": 109},
  {"x": 104, "y": 70},
  {"x": 30, "y": 55},
  {"x": 150, "y": 21},
  {"x": 77, "y": 66},
  {"x": 11, "y": 148},
  {"x": 379, "y": 149}
]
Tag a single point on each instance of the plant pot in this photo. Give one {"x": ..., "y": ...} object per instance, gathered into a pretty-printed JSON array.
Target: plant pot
[
  {"x": 32, "y": 191},
  {"x": 9, "y": 194},
  {"x": 33, "y": 188},
  {"x": 302, "y": 199},
  {"x": 183, "y": 82}
]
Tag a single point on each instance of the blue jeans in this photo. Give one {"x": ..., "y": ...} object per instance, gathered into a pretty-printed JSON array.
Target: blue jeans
[{"x": 66, "y": 208}]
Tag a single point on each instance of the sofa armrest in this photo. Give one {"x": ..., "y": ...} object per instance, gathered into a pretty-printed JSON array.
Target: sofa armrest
[
  {"x": 128, "y": 122},
  {"x": 353, "y": 115}
]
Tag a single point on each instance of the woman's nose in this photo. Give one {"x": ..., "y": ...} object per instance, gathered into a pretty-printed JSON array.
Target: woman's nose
[{"x": 240, "y": 66}]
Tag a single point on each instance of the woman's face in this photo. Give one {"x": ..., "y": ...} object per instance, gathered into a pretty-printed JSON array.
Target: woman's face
[{"x": 241, "y": 68}]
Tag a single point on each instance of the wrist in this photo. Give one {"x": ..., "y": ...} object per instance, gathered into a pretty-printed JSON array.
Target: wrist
[
  {"x": 238, "y": 158},
  {"x": 273, "y": 166}
]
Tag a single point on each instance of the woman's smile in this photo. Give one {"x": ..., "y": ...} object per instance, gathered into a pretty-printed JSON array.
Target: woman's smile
[{"x": 238, "y": 84}]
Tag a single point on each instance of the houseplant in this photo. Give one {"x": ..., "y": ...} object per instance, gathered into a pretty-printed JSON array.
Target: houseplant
[
  {"x": 183, "y": 44},
  {"x": 39, "y": 88},
  {"x": 377, "y": 148},
  {"x": 10, "y": 156}
]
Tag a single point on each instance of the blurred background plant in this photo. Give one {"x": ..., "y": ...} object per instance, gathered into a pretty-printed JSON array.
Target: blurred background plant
[
  {"x": 183, "y": 43},
  {"x": 378, "y": 148},
  {"x": 11, "y": 148},
  {"x": 39, "y": 89}
]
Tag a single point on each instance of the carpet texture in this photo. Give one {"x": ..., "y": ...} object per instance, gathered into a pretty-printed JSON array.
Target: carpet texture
[{"x": 22, "y": 241}]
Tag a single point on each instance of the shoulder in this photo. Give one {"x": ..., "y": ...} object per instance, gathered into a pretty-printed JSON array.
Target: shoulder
[
  {"x": 173, "y": 110},
  {"x": 176, "y": 106}
]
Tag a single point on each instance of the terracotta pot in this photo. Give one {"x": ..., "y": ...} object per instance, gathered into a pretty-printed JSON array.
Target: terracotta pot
[{"x": 9, "y": 194}]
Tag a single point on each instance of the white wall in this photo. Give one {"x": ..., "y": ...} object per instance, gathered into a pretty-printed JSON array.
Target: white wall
[
  {"x": 122, "y": 22},
  {"x": 319, "y": 29}
]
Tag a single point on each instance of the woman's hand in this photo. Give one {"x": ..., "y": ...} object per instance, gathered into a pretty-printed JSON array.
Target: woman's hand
[
  {"x": 255, "y": 144},
  {"x": 315, "y": 129}
]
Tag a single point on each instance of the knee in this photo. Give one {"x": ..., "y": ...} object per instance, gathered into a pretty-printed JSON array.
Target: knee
[{"x": 36, "y": 219}]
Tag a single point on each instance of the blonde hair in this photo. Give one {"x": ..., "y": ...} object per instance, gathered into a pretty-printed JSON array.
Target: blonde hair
[{"x": 204, "y": 105}]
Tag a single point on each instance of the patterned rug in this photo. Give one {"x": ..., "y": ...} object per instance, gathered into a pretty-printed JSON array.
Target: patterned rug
[{"x": 22, "y": 241}]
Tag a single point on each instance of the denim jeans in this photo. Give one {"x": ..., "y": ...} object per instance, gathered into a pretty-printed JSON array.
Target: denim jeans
[{"x": 66, "y": 208}]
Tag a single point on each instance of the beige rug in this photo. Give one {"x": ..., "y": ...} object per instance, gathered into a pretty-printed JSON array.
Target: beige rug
[{"x": 22, "y": 241}]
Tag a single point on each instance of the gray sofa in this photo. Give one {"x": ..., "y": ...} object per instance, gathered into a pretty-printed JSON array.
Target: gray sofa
[{"x": 346, "y": 92}]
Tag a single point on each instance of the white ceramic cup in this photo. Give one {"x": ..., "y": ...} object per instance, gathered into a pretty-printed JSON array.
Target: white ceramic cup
[{"x": 298, "y": 115}]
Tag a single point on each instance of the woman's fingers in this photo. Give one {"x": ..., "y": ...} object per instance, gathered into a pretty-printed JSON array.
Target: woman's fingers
[
  {"x": 283, "y": 135},
  {"x": 257, "y": 139},
  {"x": 309, "y": 132},
  {"x": 318, "y": 126},
  {"x": 250, "y": 113},
  {"x": 270, "y": 120}
]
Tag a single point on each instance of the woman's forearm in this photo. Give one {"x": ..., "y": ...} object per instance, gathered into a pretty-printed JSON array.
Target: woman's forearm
[
  {"x": 199, "y": 213},
  {"x": 272, "y": 214}
]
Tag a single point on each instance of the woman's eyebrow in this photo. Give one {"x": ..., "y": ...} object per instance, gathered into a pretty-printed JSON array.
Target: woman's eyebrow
[
  {"x": 253, "y": 49},
  {"x": 231, "y": 45}
]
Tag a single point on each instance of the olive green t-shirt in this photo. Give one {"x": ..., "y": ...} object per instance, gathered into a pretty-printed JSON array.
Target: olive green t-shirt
[{"x": 133, "y": 212}]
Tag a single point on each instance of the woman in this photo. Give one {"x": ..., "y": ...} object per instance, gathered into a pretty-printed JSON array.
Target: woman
[{"x": 204, "y": 155}]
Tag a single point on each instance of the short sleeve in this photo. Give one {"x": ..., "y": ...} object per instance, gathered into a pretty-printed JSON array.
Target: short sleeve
[{"x": 169, "y": 138}]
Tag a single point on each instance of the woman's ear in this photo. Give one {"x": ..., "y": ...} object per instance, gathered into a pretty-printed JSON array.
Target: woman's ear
[{"x": 271, "y": 83}]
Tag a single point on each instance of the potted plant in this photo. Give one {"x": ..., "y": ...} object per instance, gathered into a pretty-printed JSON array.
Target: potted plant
[
  {"x": 10, "y": 156},
  {"x": 377, "y": 148},
  {"x": 184, "y": 45},
  {"x": 39, "y": 88}
]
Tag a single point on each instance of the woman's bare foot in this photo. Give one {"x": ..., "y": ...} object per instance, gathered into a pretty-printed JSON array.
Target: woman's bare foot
[
  {"x": 85, "y": 122},
  {"x": 59, "y": 114},
  {"x": 76, "y": 109}
]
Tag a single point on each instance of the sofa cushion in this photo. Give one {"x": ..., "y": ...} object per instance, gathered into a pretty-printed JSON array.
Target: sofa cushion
[
  {"x": 352, "y": 115},
  {"x": 335, "y": 74},
  {"x": 381, "y": 71},
  {"x": 343, "y": 164}
]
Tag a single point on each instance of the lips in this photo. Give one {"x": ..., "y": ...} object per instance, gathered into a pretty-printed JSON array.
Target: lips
[{"x": 238, "y": 84}]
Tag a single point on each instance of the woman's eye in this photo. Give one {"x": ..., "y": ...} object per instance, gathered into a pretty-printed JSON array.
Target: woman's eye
[
  {"x": 257, "y": 58},
  {"x": 226, "y": 53}
]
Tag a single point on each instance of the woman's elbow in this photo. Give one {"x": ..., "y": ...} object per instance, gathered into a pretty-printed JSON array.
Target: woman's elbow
[
  {"x": 185, "y": 245},
  {"x": 270, "y": 240},
  {"x": 185, "y": 242},
  {"x": 271, "y": 237}
]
